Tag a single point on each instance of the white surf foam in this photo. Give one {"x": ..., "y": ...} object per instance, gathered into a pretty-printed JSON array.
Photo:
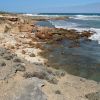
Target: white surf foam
[
  {"x": 28, "y": 14},
  {"x": 86, "y": 17},
  {"x": 95, "y": 36},
  {"x": 40, "y": 15},
  {"x": 63, "y": 24}
]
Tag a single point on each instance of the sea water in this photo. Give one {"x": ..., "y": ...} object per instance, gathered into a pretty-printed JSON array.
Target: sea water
[{"x": 83, "y": 61}]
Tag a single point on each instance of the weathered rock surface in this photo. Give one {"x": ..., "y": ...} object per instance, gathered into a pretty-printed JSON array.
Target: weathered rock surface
[
  {"x": 24, "y": 74},
  {"x": 23, "y": 89},
  {"x": 6, "y": 64},
  {"x": 54, "y": 34},
  {"x": 93, "y": 96}
]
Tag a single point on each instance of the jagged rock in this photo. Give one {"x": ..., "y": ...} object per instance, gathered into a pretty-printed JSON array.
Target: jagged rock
[
  {"x": 14, "y": 19},
  {"x": 26, "y": 89},
  {"x": 52, "y": 79},
  {"x": 19, "y": 67},
  {"x": 32, "y": 55},
  {"x": 4, "y": 28},
  {"x": 23, "y": 51},
  {"x": 8, "y": 56},
  {"x": 93, "y": 96},
  {"x": 42, "y": 75},
  {"x": 57, "y": 92},
  {"x": 60, "y": 73},
  {"x": 32, "y": 91},
  {"x": 16, "y": 59},
  {"x": 2, "y": 64},
  {"x": 86, "y": 34},
  {"x": 25, "y": 28}
]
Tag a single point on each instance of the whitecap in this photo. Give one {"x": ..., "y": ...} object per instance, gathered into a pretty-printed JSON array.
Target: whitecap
[{"x": 86, "y": 17}]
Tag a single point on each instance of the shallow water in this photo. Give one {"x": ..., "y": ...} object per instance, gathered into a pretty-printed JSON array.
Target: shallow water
[
  {"x": 83, "y": 61},
  {"x": 45, "y": 24}
]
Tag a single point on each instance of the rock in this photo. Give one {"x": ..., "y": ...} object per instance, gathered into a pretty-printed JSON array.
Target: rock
[
  {"x": 4, "y": 28},
  {"x": 8, "y": 56},
  {"x": 19, "y": 67},
  {"x": 2, "y": 64},
  {"x": 60, "y": 73},
  {"x": 86, "y": 34},
  {"x": 14, "y": 19},
  {"x": 15, "y": 29},
  {"x": 16, "y": 59},
  {"x": 42, "y": 75},
  {"x": 25, "y": 28},
  {"x": 52, "y": 79},
  {"x": 57, "y": 37},
  {"x": 27, "y": 89},
  {"x": 33, "y": 91},
  {"x": 32, "y": 55},
  {"x": 57, "y": 92},
  {"x": 23, "y": 51},
  {"x": 93, "y": 96}
]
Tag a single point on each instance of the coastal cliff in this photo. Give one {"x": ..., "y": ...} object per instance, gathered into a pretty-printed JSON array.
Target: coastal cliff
[{"x": 26, "y": 75}]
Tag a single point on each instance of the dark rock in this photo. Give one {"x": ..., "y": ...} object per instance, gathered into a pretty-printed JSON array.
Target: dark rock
[
  {"x": 32, "y": 55},
  {"x": 57, "y": 92},
  {"x": 1, "y": 53},
  {"x": 2, "y": 64},
  {"x": 19, "y": 67},
  {"x": 16, "y": 59},
  {"x": 60, "y": 73},
  {"x": 40, "y": 75},
  {"x": 86, "y": 34},
  {"x": 52, "y": 80},
  {"x": 93, "y": 96},
  {"x": 8, "y": 56},
  {"x": 23, "y": 51}
]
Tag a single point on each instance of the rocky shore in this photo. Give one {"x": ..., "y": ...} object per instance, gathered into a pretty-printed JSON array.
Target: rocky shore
[{"x": 25, "y": 75}]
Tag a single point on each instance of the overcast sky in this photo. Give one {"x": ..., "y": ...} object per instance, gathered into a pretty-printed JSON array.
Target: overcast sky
[{"x": 40, "y": 6}]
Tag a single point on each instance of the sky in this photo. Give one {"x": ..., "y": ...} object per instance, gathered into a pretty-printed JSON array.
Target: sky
[{"x": 42, "y": 6}]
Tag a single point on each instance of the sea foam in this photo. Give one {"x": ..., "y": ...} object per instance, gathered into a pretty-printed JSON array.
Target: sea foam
[{"x": 86, "y": 17}]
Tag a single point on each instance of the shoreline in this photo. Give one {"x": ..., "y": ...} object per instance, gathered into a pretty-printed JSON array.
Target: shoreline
[{"x": 50, "y": 84}]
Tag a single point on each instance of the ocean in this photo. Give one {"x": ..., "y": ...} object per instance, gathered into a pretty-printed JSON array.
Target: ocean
[
  {"x": 83, "y": 61},
  {"x": 78, "y": 21}
]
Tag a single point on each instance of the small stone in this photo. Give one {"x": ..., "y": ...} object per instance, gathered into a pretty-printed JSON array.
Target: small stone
[
  {"x": 60, "y": 73},
  {"x": 82, "y": 80},
  {"x": 12, "y": 47},
  {"x": 19, "y": 67},
  {"x": 52, "y": 79},
  {"x": 57, "y": 92},
  {"x": 16, "y": 60},
  {"x": 1, "y": 53},
  {"x": 32, "y": 55},
  {"x": 40, "y": 75},
  {"x": 8, "y": 57},
  {"x": 2, "y": 64},
  {"x": 23, "y": 51}
]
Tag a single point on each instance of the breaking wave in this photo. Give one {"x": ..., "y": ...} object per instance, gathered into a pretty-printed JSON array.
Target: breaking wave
[
  {"x": 86, "y": 17},
  {"x": 70, "y": 25}
]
